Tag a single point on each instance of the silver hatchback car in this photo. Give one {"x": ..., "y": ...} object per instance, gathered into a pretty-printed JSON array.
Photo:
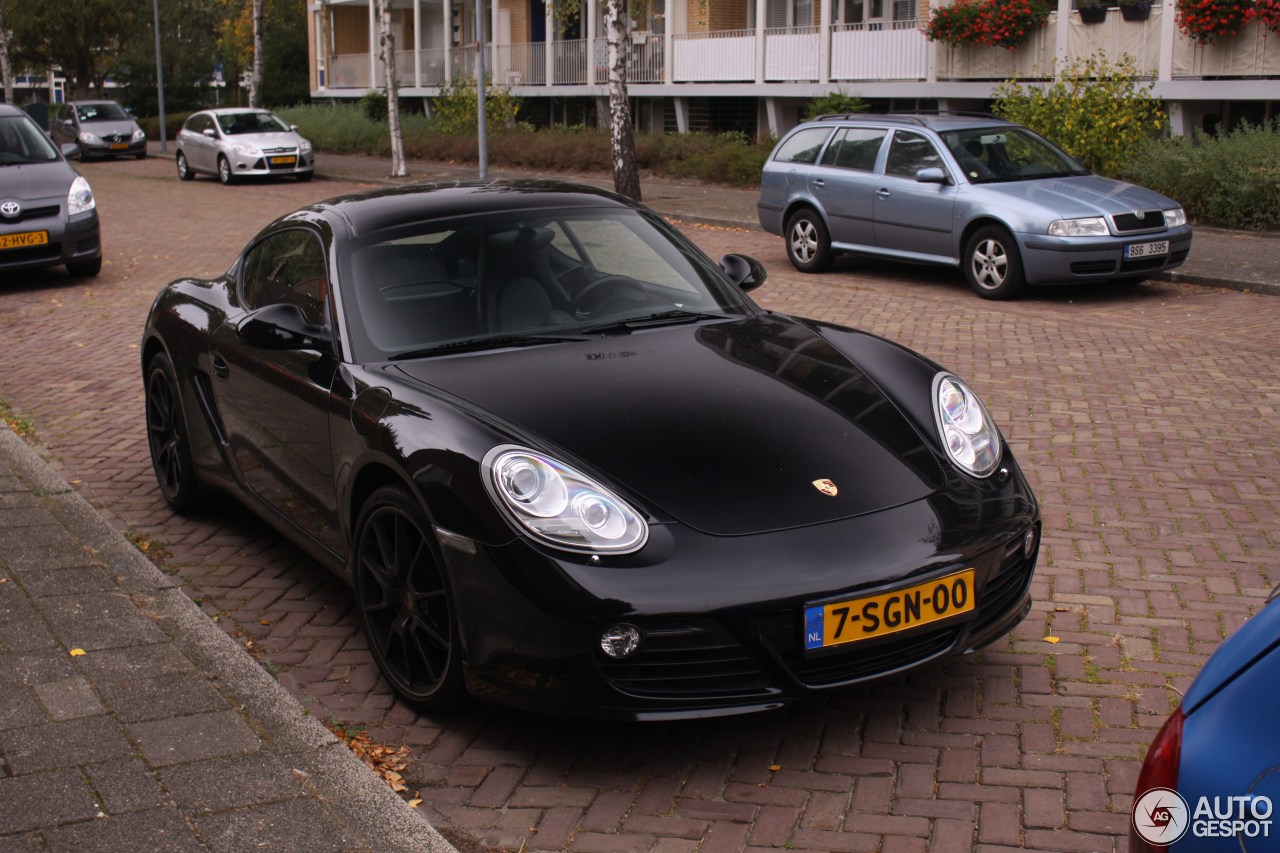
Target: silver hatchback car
[
  {"x": 234, "y": 143},
  {"x": 998, "y": 201}
]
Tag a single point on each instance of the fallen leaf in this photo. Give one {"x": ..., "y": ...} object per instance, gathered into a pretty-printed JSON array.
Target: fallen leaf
[
  {"x": 1062, "y": 610},
  {"x": 75, "y": 653},
  {"x": 264, "y": 621},
  {"x": 1052, "y": 640},
  {"x": 417, "y": 801},
  {"x": 775, "y": 767}
]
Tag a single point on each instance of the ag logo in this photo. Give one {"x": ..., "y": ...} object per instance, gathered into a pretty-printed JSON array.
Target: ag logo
[
  {"x": 1161, "y": 816},
  {"x": 827, "y": 487}
]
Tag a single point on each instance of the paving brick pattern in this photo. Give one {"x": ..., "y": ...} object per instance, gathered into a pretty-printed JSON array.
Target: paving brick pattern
[{"x": 1144, "y": 417}]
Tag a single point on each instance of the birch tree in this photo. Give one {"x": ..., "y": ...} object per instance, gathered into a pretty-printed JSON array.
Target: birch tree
[
  {"x": 622, "y": 141},
  {"x": 259, "y": 57},
  {"x": 6, "y": 66},
  {"x": 387, "y": 41}
]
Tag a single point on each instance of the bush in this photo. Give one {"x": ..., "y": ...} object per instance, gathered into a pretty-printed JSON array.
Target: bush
[
  {"x": 456, "y": 107},
  {"x": 374, "y": 105},
  {"x": 833, "y": 103},
  {"x": 1230, "y": 180},
  {"x": 1098, "y": 112},
  {"x": 172, "y": 124}
]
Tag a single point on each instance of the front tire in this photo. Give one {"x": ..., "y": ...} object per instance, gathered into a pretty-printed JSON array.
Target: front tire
[
  {"x": 224, "y": 171},
  {"x": 85, "y": 269},
  {"x": 992, "y": 265},
  {"x": 303, "y": 177},
  {"x": 808, "y": 242},
  {"x": 184, "y": 169},
  {"x": 406, "y": 609},
  {"x": 168, "y": 439}
]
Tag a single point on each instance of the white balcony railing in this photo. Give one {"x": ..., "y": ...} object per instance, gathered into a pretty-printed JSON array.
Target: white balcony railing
[
  {"x": 569, "y": 61},
  {"x": 521, "y": 64},
  {"x": 894, "y": 50},
  {"x": 1034, "y": 59},
  {"x": 725, "y": 56},
  {"x": 1255, "y": 52},
  {"x": 791, "y": 53}
]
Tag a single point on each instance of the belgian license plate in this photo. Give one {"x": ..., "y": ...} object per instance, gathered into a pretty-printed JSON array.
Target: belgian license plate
[
  {"x": 283, "y": 161},
  {"x": 21, "y": 241},
  {"x": 119, "y": 146},
  {"x": 854, "y": 619},
  {"x": 1146, "y": 250}
]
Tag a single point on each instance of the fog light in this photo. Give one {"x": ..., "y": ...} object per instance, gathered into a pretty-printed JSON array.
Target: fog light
[
  {"x": 1029, "y": 543},
  {"x": 619, "y": 641}
]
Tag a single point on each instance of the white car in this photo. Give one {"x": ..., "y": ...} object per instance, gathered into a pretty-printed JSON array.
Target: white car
[{"x": 236, "y": 143}]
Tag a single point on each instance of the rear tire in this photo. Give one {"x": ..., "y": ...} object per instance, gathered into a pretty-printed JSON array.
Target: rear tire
[
  {"x": 405, "y": 605},
  {"x": 184, "y": 169},
  {"x": 168, "y": 439},
  {"x": 992, "y": 265},
  {"x": 808, "y": 242}
]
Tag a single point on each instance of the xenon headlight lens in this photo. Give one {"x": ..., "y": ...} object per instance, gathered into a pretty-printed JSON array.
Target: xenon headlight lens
[
  {"x": 560, "y": 505},
  {"x": 968, "y": 433},
  {"x": 79, "y": 197},
  {"x": 1093, "y": 226}
]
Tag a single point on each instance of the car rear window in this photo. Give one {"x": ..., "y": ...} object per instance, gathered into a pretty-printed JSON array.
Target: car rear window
[{"x": 803, "y": 145}]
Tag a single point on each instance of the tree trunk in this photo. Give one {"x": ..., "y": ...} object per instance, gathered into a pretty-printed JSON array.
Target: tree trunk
[
  {"x": 622, "y": 141},
  {"x": 259, "y": 57},
  {"x": 388, "y": 43},
  {"x": 6, "y": 69}
]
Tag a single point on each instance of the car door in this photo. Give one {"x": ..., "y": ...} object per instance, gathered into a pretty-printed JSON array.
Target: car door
[
  {"x": 63, "y": 126},
  {"x": 844, "y": 182},
  {"x": 914, "y": 218},
  {"x": 197, "y": 147},
  {"x": 275, "y": 401}
]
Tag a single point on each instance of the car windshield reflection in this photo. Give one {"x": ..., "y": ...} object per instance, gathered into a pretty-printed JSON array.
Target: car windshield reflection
[
  {"x": 238, "y": 124},
  {"x": 456, "y": 287},
  {"x": 991, "y": 155}
]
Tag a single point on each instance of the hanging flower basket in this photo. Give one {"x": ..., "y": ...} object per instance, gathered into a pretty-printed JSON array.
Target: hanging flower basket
[
  {"x": 1091, "y": 12},
  {"x": 1265, "y": 13},
  {"x": 1135, "y": 10},
  {"x": 1207, "y": 21},
  {"x": 992, "y": 23}
]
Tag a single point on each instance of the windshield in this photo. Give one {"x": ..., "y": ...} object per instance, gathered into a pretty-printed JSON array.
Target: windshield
[
  {"x": 101, "y": 112},
  {"x": 992, "y": 154},
  {"x": 235, "y": 124},
  {"x": 438, "y": 288},
  {"x": 21, "y": 141}
]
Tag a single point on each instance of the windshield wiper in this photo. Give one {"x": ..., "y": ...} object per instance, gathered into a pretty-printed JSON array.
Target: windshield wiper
[
  {"x": 661, "y": 318},
  {"x": 491, "y": 342}
]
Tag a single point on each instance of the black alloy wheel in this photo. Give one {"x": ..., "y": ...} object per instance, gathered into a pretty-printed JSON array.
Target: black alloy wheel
[
  {"x": 167, "y": 438},
  {"x": 404, "y": 602}
]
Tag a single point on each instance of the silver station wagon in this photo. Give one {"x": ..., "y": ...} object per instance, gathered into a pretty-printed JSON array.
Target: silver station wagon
[{"x": 1005, "y": 205}]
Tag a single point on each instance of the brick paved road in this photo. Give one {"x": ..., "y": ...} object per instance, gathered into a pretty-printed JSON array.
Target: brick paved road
[{"x": 1144, "y": 418}]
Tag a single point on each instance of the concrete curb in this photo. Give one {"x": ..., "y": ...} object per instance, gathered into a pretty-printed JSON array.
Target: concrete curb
[{"x": 338, "y": 779}]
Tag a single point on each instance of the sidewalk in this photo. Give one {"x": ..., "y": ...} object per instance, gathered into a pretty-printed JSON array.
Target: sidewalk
[
  {"x": 1238, "y": 260},
  {"x": 130, "y": 721}
]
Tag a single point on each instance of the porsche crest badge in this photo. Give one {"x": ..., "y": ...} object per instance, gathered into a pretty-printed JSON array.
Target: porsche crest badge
[{"x": 825, "y": 486}]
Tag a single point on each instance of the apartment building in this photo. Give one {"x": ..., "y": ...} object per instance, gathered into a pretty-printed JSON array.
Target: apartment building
[{"x": 752, "y": 64}]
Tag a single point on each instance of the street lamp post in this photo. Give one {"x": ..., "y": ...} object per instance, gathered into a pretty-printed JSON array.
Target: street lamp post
[{"x": 164, "y": 146}]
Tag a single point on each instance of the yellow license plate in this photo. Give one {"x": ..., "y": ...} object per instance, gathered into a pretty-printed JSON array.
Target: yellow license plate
[
  {"x": 21, "y": 241},
  {"x": 119, "y": 146},
  {"x": 854, "y": 619},
  {"x": 279, "y": 161}
]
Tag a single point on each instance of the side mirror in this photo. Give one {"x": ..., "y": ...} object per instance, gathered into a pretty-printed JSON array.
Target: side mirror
[
  {"x": 931, "y": 175},
  {"x": 210, "y": 132},
  {"x": 70, "y": 150},
  {"x": 747, "y": 273},
  {"x": 281, "y": 327},
  {"x": 293, "y": 127}
]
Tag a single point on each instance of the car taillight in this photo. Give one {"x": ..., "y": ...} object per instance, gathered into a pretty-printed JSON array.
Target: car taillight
[{"x": 1160, "y": 770}]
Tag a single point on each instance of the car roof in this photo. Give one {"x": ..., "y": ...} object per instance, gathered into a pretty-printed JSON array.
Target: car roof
[
  {"x": 376, "y": 210},
  {"x": 231, "y": 111},
  {"x": 92, "y": 103},
  {"x": 10, "y": 110},
  {"x": 934, "y": 121}
]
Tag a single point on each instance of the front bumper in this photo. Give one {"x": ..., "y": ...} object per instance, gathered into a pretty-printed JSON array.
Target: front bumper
[
  {"x": 722, "y": 618},
  {"x": 112, "y": 149},
  {"x": 1062, "y": 260},
  {"x": 68, "y": 240},
  {"x": 283, "y": 162}
]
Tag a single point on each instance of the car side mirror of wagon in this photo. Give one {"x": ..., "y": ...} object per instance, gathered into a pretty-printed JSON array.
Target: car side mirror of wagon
[
  {"x": 931, "y": 175},
  {"x": 281, "y": 327},
  {"x": 747, "y": 273}
]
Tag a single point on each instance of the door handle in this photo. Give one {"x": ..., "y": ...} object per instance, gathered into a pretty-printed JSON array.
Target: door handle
[
  {"x": 220, "y": 367},
  {"x": 883, "y": 193},
  {"x": 818, "y": 182}
]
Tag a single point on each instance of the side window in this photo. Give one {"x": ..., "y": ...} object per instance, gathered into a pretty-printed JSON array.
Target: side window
[
  {"x": 287, "y": 267},
  {"x": 909, "y": 153},
  {"x": 803, "y": 146},
  {"x": 855, "y": 148}
]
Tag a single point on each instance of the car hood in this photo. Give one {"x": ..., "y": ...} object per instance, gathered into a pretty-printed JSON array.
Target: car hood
[
  {"x": 724, "y": 426},
  {"x": 121, "y": 127},
  {"x": 1083, "y": 195},
  {"x": 26, "y": 182}
]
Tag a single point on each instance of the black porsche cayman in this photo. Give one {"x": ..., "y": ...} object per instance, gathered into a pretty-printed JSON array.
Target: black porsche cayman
[{"x": 566, "y": 463}]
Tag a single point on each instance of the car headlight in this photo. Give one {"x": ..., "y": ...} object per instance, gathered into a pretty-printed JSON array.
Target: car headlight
[
  {"x": 80, "y": 198},
  {"x": 139, "y": 135},
  {"x": 559, "y": 505},
  {"x": 1091, "y": 226},
  {"x": 91, "y": 138},
  {"x": 968, "y": 433},
  {"x": 304, "y": 146},
  {"x": 1174, "y": 218},
  {"x": 246, "y": 150}
]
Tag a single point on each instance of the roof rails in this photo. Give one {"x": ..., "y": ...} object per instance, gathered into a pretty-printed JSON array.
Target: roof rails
[{"x": 916, "y": 118}]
